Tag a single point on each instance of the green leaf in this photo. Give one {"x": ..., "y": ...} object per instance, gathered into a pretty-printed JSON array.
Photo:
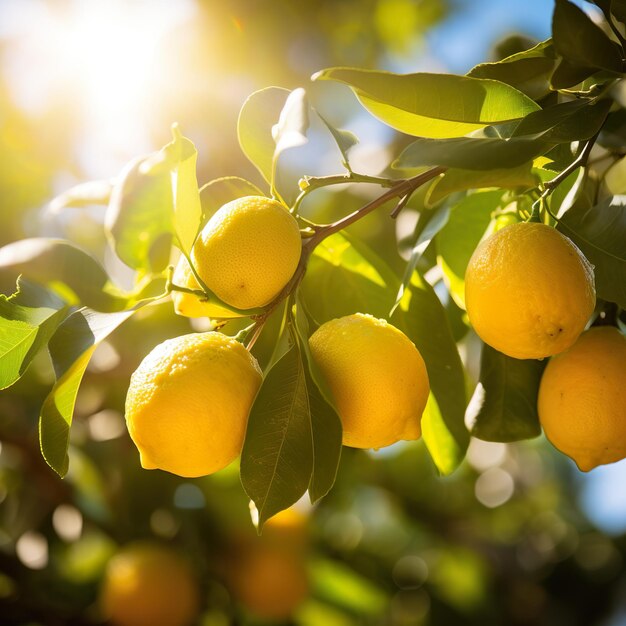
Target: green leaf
[
  {"x": 277, "y": 455},
  {"x": 84, "y": 194},
  {"x": 454, "y": 180},
  {"x": 257, "y": 117},
  {"x": 618, "y": 8},
  {"x": 433, "y": 105},
  {"x": 325, "y": 423},
  {"x": 527, "y": 71},
  {"x": 600, "y": 232},
  {"x": 458, "y": 239},
  {"x": 566, "y": 75},
  {"x": 504, "y": 404},
  {"x": 344, "y": 139},
  {"x": 139, "y": 219},
  {"x": 471, "y": 153},
  {"x": 28, "y": 319},
  {"x": 580, "y": 41},
  {"x": 71, "y": 347},
  {"x": 218, "y": 192},
  {"x": 290, "y": 131},
  {"x": 422, "y": 317},
  {"x": 57, "y": 261},
  {"x": 563, "y": 123},
  {"x": 187, "y": 209},
  {"x": 615, "y": 177}
]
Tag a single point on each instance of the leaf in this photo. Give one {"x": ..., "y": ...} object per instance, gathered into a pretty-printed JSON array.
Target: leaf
[
  {"x": 566, "y": 75},
  {"x": 218, "y": 192},
  {"x": 563, "y": 123},
  {"x": 139, "y": 219},
  {"x": 344, "y": 139},
  {"x": 458, "y": 239},
  {"x": 290, "y": 131},
  {"x": 84, "y": 194},
  {"x": 504, "y": 404},
  {"x": 186, "y": 197},
  {"x": 325, "y": 423},
  {"x": 27, "y": 320},
  {"x": 526, "y": 70},
  {"x": 580, "y": 41},
  {"x": 618, "y": 8},
  {"x": 600, "y": 233},
  {"x": 254, "y": 127},
  {"x": 471, "y": 153},
  {"x": 71, "y": 347},
  {"x": 55, "y": 260},
  {"x": 433, "y": 105},
  {"x": 277, "y": 455},
  {"x": 454, "y": 180},
  {"x": 422, "y": 317}
]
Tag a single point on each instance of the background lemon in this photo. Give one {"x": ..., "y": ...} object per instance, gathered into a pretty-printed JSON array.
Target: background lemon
[
  {"x": 582, "y": 399},
  {"x": 149, "y": 585},
  {"x": 529, "y": 291},
  {"x": 377, "y": 377},
  {"x": 188, "y": 304},
  {"x": 248, "y": 251},
  {"x": 188, "y": 402}
]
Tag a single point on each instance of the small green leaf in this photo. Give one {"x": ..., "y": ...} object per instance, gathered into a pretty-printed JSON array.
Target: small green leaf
[
  {"x": 96, "y": 192},
  {"x": 454, "y": 180},
  {"x": 71, "y": 347},
  {"x": 344, "y": 139},
  {"x": 257, "y": 117},
  {"x": 433, "y": 105},
  {"x": 471, "y": 153},
  {"x": 600, "y": 232},
  {"x": 422, "y": 317},
  {"x": 218, "y": 192},
  {"x": 458, "y": 239},
  {"x": 28, "y": 319},
  {"x": 55, "y": 260},
  {"x": 580, "y": 41},
  {"x": 504, "y": 404},
  {"x": 139, "y": 219},
  {"x": 277, "y": 455}
]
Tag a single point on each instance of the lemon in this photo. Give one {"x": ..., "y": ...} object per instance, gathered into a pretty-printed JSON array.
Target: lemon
[
  {"x": 188, "y": 304},
  {"x": 188, "y": 403},
  {"x": 582, "y": 399},
  {"x": 248, "y": 251},
  {"x": 377, "y": 377},
  {"x": 529, "y": 291},
  {"x": 149, "y": 585}
]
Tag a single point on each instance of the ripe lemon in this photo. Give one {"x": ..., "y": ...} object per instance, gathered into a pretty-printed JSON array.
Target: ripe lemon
[
  {"x": 582, "y": 399},
  {"x": 377, "y": 377},
  {"x": 149, "y": 585},
  {"x": 270, "y": 583},
  {"x": 529, "y": 291},
  {"x": 188, "y": 402},
  {"x": 189, "y": 305},
  {"x": 248, "y": 251}
]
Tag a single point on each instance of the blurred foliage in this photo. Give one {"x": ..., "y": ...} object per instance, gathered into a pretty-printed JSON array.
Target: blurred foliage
[{"x": 501, "y": 541}]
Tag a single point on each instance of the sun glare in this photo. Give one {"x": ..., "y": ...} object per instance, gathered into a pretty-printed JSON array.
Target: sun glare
[{"x": 95, "y": 55}]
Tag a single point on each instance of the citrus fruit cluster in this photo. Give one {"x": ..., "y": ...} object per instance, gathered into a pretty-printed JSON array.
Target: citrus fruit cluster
[
  {"x": 529, "y": 294},
  {"x": 188, "y": 402}
]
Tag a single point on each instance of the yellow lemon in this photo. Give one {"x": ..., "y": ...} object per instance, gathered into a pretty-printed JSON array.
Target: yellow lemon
[
  {"x": 248, "y": 251},
  {"x": 188, "y": 403},
  {"x": 149, "y": 585},
  {"x": 377, "y": 377},
  {"x": 188, "y": 304},
  {"x": 529, "y": 291},
  {"x": 582, "y": 399}
]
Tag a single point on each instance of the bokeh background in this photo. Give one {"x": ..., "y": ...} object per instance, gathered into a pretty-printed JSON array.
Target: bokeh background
[{"x": 515, "y": 536}]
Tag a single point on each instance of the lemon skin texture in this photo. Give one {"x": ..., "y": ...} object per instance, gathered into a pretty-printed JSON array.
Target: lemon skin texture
[
  {"x": 189, "y": 305},
  {"x": 248, "y": 251},
  {"x": 582, "y": 399},
  {"x": 188, "y": 403},
  {"x": 149, "y": 585},
  {"x": 377, "y": 377},
  {"x": 529, "y": 291}
]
